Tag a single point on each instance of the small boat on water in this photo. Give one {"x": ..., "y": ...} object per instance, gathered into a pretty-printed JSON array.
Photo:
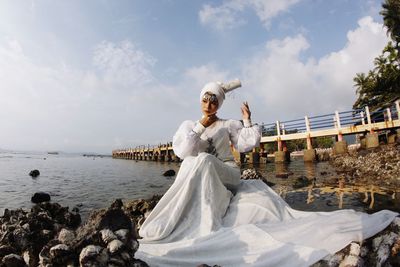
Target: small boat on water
[{"x": 52, "y": 152}]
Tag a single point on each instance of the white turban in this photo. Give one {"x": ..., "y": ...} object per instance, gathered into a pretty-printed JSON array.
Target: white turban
[{"x": 219, "y": 89}]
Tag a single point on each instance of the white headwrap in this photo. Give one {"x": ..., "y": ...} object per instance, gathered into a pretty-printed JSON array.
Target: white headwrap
[{"x": 219, "y": 89}]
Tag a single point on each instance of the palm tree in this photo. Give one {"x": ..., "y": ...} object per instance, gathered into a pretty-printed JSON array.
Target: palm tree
[
  {"x": 360, "y": 82},
  {"x": 391, "y": 19}
]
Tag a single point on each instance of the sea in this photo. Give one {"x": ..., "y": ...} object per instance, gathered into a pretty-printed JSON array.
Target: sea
[{"x": 92, "y": 182}]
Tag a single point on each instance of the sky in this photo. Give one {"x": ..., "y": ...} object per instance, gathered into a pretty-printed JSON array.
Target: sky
[{"x": 97, "y": 75}]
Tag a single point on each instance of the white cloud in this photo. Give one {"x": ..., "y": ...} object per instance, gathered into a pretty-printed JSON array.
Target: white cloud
[
  {"x": 227, "y": 15},
  {"x": 208, "y": 72},
  {"x": 61, "y": 108},
  {"x": 123, "y": 63},
  {"x": 291, "y": 87}
]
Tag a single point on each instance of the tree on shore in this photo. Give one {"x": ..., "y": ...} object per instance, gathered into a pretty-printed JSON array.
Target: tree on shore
[
  {"x": 381, "y": 86},
  {"x": 391, "y": 19}
]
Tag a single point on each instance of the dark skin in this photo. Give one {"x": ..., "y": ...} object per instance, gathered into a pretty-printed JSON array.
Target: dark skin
[{"x": 209, "y": 109}]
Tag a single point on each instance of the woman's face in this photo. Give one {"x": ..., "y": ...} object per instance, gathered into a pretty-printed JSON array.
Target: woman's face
[{"x": 209, "y": 104}]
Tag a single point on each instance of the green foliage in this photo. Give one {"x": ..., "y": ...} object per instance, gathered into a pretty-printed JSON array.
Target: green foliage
[
  {"x": 391, "y": 19},
  {"x": 323, "y": 142},
  {"x": 296, "y": 145},
  {"x": 381, "y": 85}
]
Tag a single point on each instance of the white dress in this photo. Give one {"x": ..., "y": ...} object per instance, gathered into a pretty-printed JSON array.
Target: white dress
[{"x": 211, "y": 216}]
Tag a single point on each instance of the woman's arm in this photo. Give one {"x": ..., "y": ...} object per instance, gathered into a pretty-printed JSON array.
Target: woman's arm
[
  {"x": 244, "y": 136},
  {"x": 186, "y": 140}
]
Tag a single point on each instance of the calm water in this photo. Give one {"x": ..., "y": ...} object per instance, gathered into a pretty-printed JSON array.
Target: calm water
[
  {"x": 74, "y": 180},
  {"x": 89, "y": 183}
]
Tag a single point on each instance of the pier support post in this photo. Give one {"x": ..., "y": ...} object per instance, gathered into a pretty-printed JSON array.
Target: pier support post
[
  {"x": 363, "y": 140},
  {"x": 372, "y": 140},
  {"x": 392, "y": 137},
  {"x": 254, "y": 156},
  {"x": 282, "y": 156},
  {"x": 309, "y": 155},
  {"x": 340, "y": 147}
]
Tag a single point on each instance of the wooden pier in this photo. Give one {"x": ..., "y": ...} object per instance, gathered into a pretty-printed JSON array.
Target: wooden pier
[{"x": 367, "y": 125}]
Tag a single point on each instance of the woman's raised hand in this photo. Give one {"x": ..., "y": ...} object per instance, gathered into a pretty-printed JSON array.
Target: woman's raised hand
[
  {"x": 246, "y": 114},
  {"x": 208, "y": 120}
]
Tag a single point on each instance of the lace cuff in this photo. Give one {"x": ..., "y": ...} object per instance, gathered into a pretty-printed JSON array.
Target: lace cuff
[{"x": 247, "y": 123}]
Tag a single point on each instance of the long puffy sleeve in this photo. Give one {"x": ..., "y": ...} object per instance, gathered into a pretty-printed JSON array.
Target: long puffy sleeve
[
  {"x": 244, "y": 136},
  {"x": 187, "y": 139}
]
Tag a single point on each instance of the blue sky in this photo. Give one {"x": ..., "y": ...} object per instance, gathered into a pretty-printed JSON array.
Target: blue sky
[{"x": 98, "y": 75}]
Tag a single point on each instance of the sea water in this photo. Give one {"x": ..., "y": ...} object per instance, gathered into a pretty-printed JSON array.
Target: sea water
[{"x": 89, "y": 183}]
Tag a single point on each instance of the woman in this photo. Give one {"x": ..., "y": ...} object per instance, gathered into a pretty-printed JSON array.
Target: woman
[
  {"x": 200, "y": 195},
  {"x": 210, "y": 216}
]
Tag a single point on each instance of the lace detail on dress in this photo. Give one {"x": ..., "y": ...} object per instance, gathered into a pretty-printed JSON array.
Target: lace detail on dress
[{"x": 211, "y": 148}]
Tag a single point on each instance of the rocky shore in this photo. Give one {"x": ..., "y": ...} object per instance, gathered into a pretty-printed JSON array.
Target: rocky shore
[
  {"x": 51, "y": 235},
  {"x": 379, "y": 166}
]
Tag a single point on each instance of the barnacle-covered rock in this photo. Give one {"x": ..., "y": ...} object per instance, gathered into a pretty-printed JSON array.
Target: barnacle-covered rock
[
  {"x": 122, "y": 234},
  {"x": 66, "y": 236},
  {"x": 107, "y": 235},
  {"x": 380, "y": 166},
  {"x": 30, "y": 258},
  {"x": 133, "y": 245},
  {"x": 12, "y": 260},
  {"x": 91, "y": 255},
  {"x": 115, "y": 246},
  {"x": 352, "y": 261},
  {"x": 251, "y": 174},
  {"x": 6, "y": 249}
]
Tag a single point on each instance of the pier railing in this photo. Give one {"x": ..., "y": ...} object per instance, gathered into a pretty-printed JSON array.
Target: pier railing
[{"x": 344, "y": 122}]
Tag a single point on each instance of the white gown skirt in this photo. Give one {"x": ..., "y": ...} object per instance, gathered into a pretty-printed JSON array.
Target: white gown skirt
[
  {"x": 196, "y": 202},
  {"x": 199, "y": 221}
]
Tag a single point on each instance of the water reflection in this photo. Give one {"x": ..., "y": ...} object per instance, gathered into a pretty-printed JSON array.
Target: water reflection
[
  {"x": 327, "y": 190},
  {"x": 281, "y": 168},
  {"x": 309, "y": 168}
]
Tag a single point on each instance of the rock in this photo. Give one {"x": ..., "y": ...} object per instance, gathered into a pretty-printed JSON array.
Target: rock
[
  {"x": 376, "y": 167},
  {"x": 60, "y": 254},
  {"x": 117, "y": 204},
  {"x": 66, "y": 236},
  {"x": 5, "y": 250},
  {"x": 40, "y": 197},
  {"x": 282, "y": 175},
  {"x": 107, "y": 235},
  {"x": 122, "y": 234},
  {"x": 13, "y": 260},
  {"x": 352, "y": 261},
  {"x": 34, "y": 173},
  {"x": 139, "y": 263},
  {"x": 91, "y": 255},
  {"x": 115, "y": 246},
  {"x": 47, "y": 236},
  {"x": 302, "y": 181},
  {"x": 169, "y": 173},
  {"x": 251, "y": 174},
  {"x": 30, "y": 258}
]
